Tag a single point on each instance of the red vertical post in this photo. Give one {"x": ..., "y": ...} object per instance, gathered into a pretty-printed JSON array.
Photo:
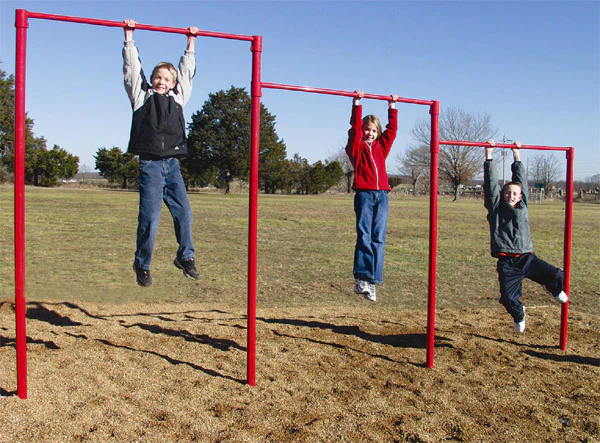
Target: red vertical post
[
  {"x": 21, "y": 25},
  {"x": 567, "y": 248},
  {"x": 434, "y": 110},
  {"x": 253, "y": 215}
]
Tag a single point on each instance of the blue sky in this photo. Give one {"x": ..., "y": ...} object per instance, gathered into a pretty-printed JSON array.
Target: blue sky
[{"x": 533, "y": 66}]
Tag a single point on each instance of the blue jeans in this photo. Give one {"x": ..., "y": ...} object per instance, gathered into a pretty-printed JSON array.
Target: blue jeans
[
  {"x": 371, "y": 208},
  {"x": 161, "y": 180},
  {"x": 512, "y": 272}
]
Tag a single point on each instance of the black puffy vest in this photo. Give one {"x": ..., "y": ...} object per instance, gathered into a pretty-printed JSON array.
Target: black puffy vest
[{"x": 158, "y": 128}]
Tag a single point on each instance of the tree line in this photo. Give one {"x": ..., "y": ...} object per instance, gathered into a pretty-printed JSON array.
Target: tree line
[
  {"x": 219, "y": 152},
  {"x": 43, "y": 167},
  {"x": 219, "y": 148}
]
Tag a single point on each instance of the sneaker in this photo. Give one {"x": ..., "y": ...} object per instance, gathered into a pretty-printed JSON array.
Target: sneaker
[
  {"x": 188, "y": 267},
  {"x": 520, "y": 325},
  {"x": 142, "y": 276},
  {"x": 372, "y": 294},
  {"x": 361, "y": 286},
  {"x": 562, "y": 297}
]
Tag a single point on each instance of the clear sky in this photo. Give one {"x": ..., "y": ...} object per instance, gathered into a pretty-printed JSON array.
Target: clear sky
[{"x": 533, "y": 66}]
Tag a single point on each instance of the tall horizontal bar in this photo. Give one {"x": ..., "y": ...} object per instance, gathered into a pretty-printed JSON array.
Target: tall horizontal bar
[
  {"x": 504, "y": 145},
  {"x": 116, "y": 24},
  {"x": 343, "y": 93}
]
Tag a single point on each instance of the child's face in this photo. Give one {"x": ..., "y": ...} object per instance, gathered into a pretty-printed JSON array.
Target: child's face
[
  {"x": 162, "y": 81},
  {"x": 369, "y": 132},
  {"x": 512, "y": 195}
]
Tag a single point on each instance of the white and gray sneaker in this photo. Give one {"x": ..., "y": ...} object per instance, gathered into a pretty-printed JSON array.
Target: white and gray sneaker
[
  {"x": 361, "y": 286},
  {"x": 520, "y": 325},
  {"x": 372, "y": 294},
  {"x": 562, "y": 297}
]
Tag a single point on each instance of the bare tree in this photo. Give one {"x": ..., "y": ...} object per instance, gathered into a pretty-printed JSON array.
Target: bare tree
[
  {"x": 415, "y": 162},
  {"x": 342, "y": 158},
  {"x": 545, "y": 170},
  {"x": 457, "y": 164}
]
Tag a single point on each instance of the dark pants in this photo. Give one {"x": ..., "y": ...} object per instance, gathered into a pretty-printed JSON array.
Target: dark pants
[{"x": 513, "y": 270}]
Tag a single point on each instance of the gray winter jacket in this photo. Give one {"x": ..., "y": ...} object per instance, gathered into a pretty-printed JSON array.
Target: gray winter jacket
[
  {"x": 509, "y": 227},
  {"x": 158, "y": 125}
]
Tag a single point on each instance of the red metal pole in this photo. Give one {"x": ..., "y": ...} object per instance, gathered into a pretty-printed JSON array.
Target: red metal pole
[
  {"x": 21, "y": 25},
  {"x": 568, "y": 229},
  {"x": 253, "y": 216},
  {"x": 120, "y": 24},
  {"x": 342, "y": 93},
  {"x": 567, "y": 248},
  {"x": 434, "y": 110},
  {"x": 503, "y": 145}
]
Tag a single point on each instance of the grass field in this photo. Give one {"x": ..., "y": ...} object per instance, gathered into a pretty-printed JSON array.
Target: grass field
[
  {"x": 110, "y": 361},
  {"x": 80, "y": 246}
]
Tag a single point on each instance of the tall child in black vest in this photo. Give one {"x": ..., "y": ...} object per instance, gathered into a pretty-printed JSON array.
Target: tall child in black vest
[
  {"x": 511, "y": 238},
  {"x": 158, "y": 137}
]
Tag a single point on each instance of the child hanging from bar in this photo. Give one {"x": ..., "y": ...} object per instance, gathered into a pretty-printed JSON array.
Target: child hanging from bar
[
  {"x": 368, "y": 147},
  {"x": 158, "y": 137},
  {"x": 511, "y": 238}
]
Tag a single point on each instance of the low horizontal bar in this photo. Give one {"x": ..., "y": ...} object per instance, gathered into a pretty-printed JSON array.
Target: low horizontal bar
[
  {"x": 116, "y": 24},
  {"x": 504, "y": 145},
  {"x": 343, "y": 93}
]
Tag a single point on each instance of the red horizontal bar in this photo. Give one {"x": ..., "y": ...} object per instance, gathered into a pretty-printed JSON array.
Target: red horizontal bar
[
  {"x": 343, "y": 93},
  {"x": 116, "y": 24},
  {"x": 504, "y": 145}
]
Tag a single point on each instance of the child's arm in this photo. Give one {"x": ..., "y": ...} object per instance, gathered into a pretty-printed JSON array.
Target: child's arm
[
  {"x": 491, "y": 189},
  {"x": 129, "y": 29},
  {"x": 519, "y": 174},
  {"x": 489, "y": 150},
  {"x": 191, "y": 38},
  {"x": 355, "y": 131},
  {"x": 517, "y": 152},
  {"x": 359, "y": 94},
  {"x": 187, "y": 67},
  {"x": 391, "y": 129},
  {"x": 132, "y": 67}
]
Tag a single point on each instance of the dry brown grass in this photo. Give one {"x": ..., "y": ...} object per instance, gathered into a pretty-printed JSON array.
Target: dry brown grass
[{"x": 176, "y": 372}]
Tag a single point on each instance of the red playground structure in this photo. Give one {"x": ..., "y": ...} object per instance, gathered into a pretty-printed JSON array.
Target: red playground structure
[{"x": 22, "y": 24}]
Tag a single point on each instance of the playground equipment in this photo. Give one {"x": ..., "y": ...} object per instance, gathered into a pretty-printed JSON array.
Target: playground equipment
[{"x": 22, "y": 24}]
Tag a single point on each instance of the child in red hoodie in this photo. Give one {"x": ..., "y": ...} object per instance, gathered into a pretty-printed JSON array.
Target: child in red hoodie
[{"x": 368, "y": 147}]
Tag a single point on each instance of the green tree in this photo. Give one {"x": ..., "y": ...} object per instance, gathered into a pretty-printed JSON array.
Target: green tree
[
  {"x": 298, "y": 175},
  {"x": 116, "y": 166},
  {"x": 33, "y": 145},
  {"x": 323, "y": 176},
  {"x": 219, "y": 142},
  {"x": 42, "y": 167},
  {"x": 7, "y": 113},
  {"x": 48, "y": 166},
  {"x": 272, "y": 155}
]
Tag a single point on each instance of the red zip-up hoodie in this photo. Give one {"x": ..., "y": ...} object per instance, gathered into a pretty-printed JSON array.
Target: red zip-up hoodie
[{"x": 369, "y": 161}]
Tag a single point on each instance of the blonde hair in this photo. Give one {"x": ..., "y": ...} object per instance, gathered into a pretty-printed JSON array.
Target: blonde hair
[
  {"x": 375, "y": 120},
  {"x": 165, "y": 65}
]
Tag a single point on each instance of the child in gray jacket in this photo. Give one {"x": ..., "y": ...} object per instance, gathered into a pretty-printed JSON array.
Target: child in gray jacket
[
  {"x": 158, "y": 137},
  {"x": 511, "y": 238}
]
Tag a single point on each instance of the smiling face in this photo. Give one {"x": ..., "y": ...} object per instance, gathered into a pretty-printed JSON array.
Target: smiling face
[
  {"x": 369, "y": 132},
  {"x": 162, "y": 81},
  {"x": 371, "y": 128},
  {"x": 512, "y": 194}
]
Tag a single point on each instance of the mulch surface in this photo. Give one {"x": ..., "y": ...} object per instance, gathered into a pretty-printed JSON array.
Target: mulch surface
[{"x": 177, "y": 372}]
